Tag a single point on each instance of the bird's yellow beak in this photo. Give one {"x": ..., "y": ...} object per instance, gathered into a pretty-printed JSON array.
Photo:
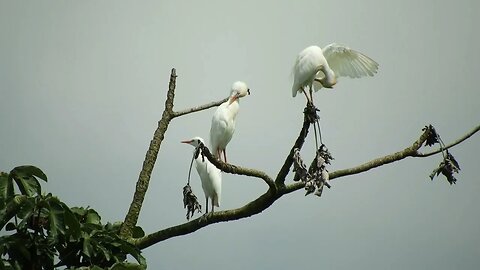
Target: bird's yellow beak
[{"x": 233, "y": 99}]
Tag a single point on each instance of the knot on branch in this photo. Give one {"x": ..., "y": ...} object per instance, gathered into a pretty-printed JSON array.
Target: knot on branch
[
  {"x": 310, "y": 113},
  {"x": 190, "y": 202},
  {"x": 317, "y": 176}
]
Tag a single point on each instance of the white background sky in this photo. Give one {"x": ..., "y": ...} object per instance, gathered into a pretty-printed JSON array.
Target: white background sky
[{"x": 83, "y": 83}]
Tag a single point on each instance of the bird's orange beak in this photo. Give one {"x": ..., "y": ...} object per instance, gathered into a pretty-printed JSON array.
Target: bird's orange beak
[{"x": 188, "y": 141}]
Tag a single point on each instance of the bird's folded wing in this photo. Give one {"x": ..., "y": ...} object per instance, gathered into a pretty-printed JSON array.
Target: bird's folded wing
[{"x": 347, "y": 62}]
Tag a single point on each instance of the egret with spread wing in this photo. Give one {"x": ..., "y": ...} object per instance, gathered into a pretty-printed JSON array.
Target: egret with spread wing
[{"x": 316, "y": 67}]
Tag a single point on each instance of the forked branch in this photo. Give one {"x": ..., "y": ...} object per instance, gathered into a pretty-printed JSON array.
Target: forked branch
[
  {"x": 276, "y": 189},
  {"x": 268, "y": 198},
  {"x": 143, "y": 181}
]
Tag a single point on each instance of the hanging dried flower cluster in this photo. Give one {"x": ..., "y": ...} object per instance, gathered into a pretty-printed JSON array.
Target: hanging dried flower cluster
[
  {"x": 448, "y": 166},
  {"x": 317, "y": 176},
  {"x": 190, "y": 202}
]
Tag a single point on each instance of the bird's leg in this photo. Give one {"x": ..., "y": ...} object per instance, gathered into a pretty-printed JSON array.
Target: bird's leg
[
  {"x": 206, "y": 204},
  {"x": 310, "y": 90},
  {"x": 311, "y": 94},
  {"x": 225, "y": 155},
  {"x": 305, "y": 93},
  {"x": 213, "y": 206}
]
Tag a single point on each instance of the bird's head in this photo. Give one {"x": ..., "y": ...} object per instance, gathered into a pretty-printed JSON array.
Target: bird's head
[
  {"x": 195, "y": 141},
  {"x": 330, "y": 79},
  {"x": 239, "y": 90}
]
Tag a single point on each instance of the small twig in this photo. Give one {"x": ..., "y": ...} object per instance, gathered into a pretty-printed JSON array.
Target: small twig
[
  {"x": 463, "y": 138},
  {"x": 199, "y": 108}
]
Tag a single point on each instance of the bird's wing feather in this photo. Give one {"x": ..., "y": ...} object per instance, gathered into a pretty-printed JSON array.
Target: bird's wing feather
[
  {"x": 219, "y": 136},
  {"x": 306, "y": 66},
  {"x": 346, "y": 62}
]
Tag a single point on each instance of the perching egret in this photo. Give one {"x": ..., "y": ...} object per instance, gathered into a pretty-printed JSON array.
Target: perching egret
[
  {"x": 210, "y": 175},
  {"x": 223, "y": 120},
  {"x": 316, "y": 67}
]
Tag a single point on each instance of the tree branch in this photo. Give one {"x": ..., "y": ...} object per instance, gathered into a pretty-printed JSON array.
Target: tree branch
[
  {"x": 252, "y": 208},
  {"x": 282, "y": 174},
  {"x": 463, "y": 138},
  {"x": 199, "y": 108},
  {"x": 276, "y": 189},
  {"x": 411, "y": 151},
  {"x": 151, "y": 156},
  {"x": 233, "y": 169}
]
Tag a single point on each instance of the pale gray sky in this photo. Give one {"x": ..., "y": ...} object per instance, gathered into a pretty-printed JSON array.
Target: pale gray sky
[{"x": 82, "y": 86}]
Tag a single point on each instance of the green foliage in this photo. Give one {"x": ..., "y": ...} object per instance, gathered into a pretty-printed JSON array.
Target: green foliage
[{"x": 45, "y": 233}]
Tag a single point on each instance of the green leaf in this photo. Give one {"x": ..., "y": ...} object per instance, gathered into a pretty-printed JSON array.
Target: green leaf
[
  {"x": 71, "y": 222},
  {"x": 127, "y": 266},
  {"x": 87, "y": 247},
  {"x": 106, "y": 253},
  {"x": 92, "y": 217},
  {"x": 6, "y": 187},
  {"x": 26, "y": 208},
  {"x": 55, "y": 217},
  {"x": 134, "y": 251},
  {"x": 12, "y": 208},
  {"x": 79, "y": 211},
  {"x": 10, "y": 226},
  {"x": 31, "y": 171},
  {"x": 26, "y": 181},
  {"x": 138, "y": 232}
]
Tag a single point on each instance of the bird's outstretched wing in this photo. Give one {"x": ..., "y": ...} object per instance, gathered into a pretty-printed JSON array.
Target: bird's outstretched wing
[{"x": 346, "y": 62}]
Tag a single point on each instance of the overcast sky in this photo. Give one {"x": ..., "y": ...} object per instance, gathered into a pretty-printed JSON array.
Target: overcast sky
[{"x": 83, "y": 83}]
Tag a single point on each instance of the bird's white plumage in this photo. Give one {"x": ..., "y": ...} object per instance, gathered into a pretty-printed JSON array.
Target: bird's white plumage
[
  {"x": 328, "y": 64},
  {"x": 210, "y": 176},
  {"x": 307, "y": 65},
  {"x": 224, "y": 118}
]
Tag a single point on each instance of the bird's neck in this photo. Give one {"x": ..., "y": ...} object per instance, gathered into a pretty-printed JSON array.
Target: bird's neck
[
  {"x": 329, "y": 78},
  {"x": 233, "y": 108}
]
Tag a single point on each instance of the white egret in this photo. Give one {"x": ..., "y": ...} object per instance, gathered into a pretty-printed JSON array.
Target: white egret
[
  {"x": 210, "y": 175},
  {"x": 316, "y": 67},
  {"x": 223, "y": 120}
]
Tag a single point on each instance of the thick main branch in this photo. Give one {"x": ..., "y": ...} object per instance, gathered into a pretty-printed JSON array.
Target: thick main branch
[
  {"x": 144, "y": 178},
  {"x": 268, "y": 198},
  {"x": 252, "y": 208}
]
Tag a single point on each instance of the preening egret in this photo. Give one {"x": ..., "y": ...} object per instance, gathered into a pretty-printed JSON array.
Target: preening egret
[
  {"x": 223, "y": 120},
  {"x": 210, "y": 175},
  {"x": 316, "y": 67}
]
